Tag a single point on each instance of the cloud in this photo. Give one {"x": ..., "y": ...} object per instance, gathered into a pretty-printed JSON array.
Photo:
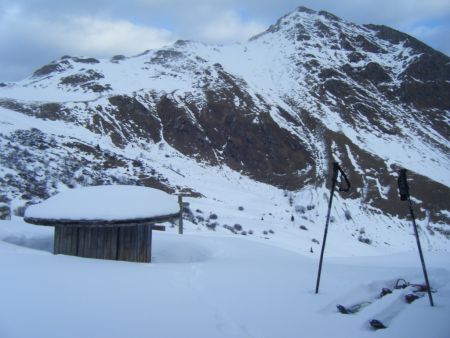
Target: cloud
[
  {"x": 98, "y": 37},
  {"x": 229, "y": 27},
  {"x": 32, "y": 41},
  {"x": 92, "y": 36}
]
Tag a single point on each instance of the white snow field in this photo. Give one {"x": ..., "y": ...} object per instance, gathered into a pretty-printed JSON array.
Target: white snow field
[{"x": 210, "y": 285}]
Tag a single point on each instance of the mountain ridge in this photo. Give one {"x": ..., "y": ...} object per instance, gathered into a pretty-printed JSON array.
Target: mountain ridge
[{"x": 278, "y": 109}]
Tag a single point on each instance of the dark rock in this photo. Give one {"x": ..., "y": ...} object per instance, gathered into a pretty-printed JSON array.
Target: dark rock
[
  {"x": 305, "y": 10},
  {"x": 139, "y": 121},
  {"x": 339, "y": 88},
  {"x": 54, "y": 67},
  {"x": 230, "y": 228},
  {"x": 365, "y": 240},
  {"x": 366, "y": 45},
  {"x": 181, "y": 132},
  {"x": 429, "y": 67},
  {"x": 329, "y": 73},
  {"x": 85, "y": 60},
  {"x": 329, "y": 16},
  {"x": 5, "y": 212},
  {"x": 301, "y": 33},
  {"x": 117, "y": 58},
  {"x": 77, "y": 79},
  {"x": 424, "y": 95},
  {"x": 345, "y": 44},
  {"x": 164, "y": 56},
  {"x": 396, "y": 37},
  {"x": 372, "y": 72},
  {"x": 323, "y": 29},
  {"x": 96, "y": 88},
  {"x": 212, "y": 226},
  {"x": 355, "y": 57}
]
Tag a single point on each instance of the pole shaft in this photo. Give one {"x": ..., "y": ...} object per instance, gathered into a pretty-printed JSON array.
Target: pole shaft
[
  {"x": 180, "y": 219},
  {"x": 325, "y": 236},
  {"x": 420, "y": 252}
]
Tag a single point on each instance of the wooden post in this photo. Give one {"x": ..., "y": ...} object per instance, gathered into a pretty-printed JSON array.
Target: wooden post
[
  {"x": 149, "y": 246},
  {"x": 180, "y": 219}
]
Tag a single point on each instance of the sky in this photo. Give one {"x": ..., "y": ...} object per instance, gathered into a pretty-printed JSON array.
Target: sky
[{"x": 35, "y": 32}]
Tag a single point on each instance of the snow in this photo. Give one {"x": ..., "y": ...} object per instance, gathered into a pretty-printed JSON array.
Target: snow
[
  {"x": 209, "y": 285},
  {"x": 107, "y": 202}
]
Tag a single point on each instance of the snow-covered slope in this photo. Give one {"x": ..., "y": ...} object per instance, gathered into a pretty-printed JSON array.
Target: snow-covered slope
[{"x": 248, "y": 130}]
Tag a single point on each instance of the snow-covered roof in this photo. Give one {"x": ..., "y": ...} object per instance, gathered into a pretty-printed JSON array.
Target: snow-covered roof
[{"x": 107, "y": 202}]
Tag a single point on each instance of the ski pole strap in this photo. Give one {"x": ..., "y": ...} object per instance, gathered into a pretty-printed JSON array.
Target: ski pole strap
[
  {"x": 336, "y": 170},
  {"x": 401, "y": 284},
  {"x": 347, "y": 182}
]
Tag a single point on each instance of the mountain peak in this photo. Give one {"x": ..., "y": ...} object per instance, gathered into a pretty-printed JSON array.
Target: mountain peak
[
  {"x": 304, "y": 9},
  {"x": 306, "y": 22}
]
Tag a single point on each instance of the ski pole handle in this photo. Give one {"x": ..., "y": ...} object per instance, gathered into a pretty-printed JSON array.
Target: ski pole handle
[
  {"x": 335, "y": 172},
  {"x": 403, "y": 187}
]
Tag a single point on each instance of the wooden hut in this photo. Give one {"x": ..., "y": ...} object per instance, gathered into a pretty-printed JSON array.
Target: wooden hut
[{"x": 106, "y": 222}]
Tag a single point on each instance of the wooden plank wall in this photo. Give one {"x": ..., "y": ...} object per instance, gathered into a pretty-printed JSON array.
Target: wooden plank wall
[
  {"x": 66, "y": 240},
  {"x": 134, "y": 244},
  {"x": 128, "y": 243}
]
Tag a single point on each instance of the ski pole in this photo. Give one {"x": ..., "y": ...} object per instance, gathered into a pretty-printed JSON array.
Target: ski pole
[
  {"x": 336, "y": 170},
  {"x": 403, "y": 189}
]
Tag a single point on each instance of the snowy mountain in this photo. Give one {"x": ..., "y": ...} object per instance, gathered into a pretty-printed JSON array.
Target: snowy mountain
[{"x": 248, "y": 131}]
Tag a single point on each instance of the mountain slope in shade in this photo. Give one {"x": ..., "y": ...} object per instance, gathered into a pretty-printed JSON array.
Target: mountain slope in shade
[{"x": 261, "y": 120}]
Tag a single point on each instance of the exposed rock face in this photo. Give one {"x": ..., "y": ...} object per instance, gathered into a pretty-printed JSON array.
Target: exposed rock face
[{"x": 280, "y": 108}]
